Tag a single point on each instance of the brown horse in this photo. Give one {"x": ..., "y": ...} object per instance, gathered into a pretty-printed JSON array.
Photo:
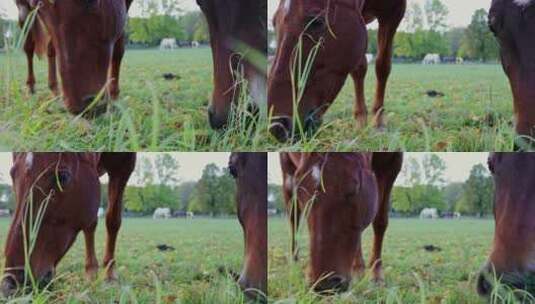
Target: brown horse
[
  {"x": 513, "y": 252},
  {"x": 339, "y": 28},
  {"x": 250, "y": 171},
  {"x": 66, "y": 187},
  {"x": 342, "y": 194},
  {"x": 85, "y": 37},
  {"x": 511, "y": 21},
  {"x": 238, "y": 31}
]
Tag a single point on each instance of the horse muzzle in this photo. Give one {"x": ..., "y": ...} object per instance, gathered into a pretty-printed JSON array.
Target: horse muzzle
[
  {"x": 516, "y": 280},
  {"x": 281, "y": 128},
  {"x": 332, "y": 285},
  {"x": 13, "y": 282}
]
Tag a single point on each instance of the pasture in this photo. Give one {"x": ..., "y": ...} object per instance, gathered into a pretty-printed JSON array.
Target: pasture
[
  {"x": 475, "y": 113},
  {"x": 154, "y": 114},
  {"x": 188, "y": 274},
  {"x": 412, "y": 274}
]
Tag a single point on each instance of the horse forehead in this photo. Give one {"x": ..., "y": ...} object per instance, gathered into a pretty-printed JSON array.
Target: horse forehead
[
  {"x": 28, "y": 160},
  {"x": 287, "y": 5}
]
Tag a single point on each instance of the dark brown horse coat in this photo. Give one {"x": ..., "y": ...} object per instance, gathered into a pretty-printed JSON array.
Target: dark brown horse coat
[
  {"x": 513, "y": 24},
  {"x": 339, "y": 28},
  {"x": 238, "y": 34},
  {"x": 250, "y": 172},
  {"x": 83, "y": 39},
  {"x": 513, "y": 251},
  {"x": 66, "y": 187},
  {"x": 341, "y": 193}
]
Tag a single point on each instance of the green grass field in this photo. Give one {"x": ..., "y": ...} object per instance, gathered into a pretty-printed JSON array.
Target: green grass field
[
  {"x": 188, "y": 274},
  {"x": 159, "y": 115},
  {"x": 151, "y": 114},
  {"x": 412, "y": 274},
  {"x": 474, "y": 115}
]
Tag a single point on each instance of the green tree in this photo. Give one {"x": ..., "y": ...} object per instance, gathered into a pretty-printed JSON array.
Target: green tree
[
  {"x": 454, "y": 37},
  {"x": 159, "y": 184},
  {"x": 478, "y": 41},
  {"x": 185, "y": 194},
  {"x": 152, "y": 30},
  {"x": 433, "y": 169},
  {"x": 194, "y": 26},
  {"x": 214, "y": 193},
  {"x": 436, "y": 15},
  {"x": 275, "y": 198},
  {"x": 424, "y": 180},
  {"x": 414, "y": 18},
  {"x": 372, "y": 41},
  {"x": 478, "y": 192},
  {"x": 134, "y": 199},
  {"x": 453, "y": 193},
  {"x": 7, "y": 197},
  {"x": 151, "y": 8}
]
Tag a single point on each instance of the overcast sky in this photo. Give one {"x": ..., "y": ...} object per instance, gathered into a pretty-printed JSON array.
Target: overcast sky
[
  {"x": 191, "y": 164},
  {"x": 460, "y": 10},
  {"x": 458, "y": 165},
  {"x": 8, "y": 7}
]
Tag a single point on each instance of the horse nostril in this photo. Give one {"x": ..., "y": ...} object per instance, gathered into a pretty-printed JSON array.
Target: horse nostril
[
  {"x": 331, "y": 285},
  {"x": 281, "y": 128},
  {"x": 215, "y": 122},
  {"x": 484, "y": 287},
  {"x": 8, "y": 286},
  {"x": 46, "y": 279},
  {"x": 88, "y": 100}
]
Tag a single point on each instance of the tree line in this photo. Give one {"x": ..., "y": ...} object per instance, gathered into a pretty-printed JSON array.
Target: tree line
[
  {"x": 425, "y": 187},
  {"x": 424, "y": 30},
  {"x": 158, "y": 19},
  {"x": 155, "y": 186},
  {"x": 161, "y": 19}
]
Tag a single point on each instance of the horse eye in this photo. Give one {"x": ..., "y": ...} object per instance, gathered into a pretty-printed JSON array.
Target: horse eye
[
  {"x": 494, "y": 24},
  {"x": 314, "y": 23},
  {"x": 62, "y": 178},
  {"x": 490, "y": 165},
  {"x": 233, "y": 171},
  {"x": 12, "y": 172}
]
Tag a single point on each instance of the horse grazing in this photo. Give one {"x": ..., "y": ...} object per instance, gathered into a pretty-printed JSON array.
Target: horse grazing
[
  {"x": 511, "y": 21},
  {"x": 86, "y": 38},
  {"x": 337, "y": 30},
  {"x": 250, "y": 172},
  {"x": 512, "y": 258},
  {"x": 66, "y": 188},
  {"x": 341, "y": 193},
  {"x": 238, "y": 33}
]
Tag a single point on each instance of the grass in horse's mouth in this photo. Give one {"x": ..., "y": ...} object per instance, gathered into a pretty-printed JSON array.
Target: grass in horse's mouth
[{"x": 300, "y": 68}]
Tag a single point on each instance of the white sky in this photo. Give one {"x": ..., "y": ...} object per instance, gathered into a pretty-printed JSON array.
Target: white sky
[
  {"x": 10, "y": 9},
  {"x": 460, "y": 10},
  {"x": 191, "y": 164},
  {"x": 458, "y": 165}
]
